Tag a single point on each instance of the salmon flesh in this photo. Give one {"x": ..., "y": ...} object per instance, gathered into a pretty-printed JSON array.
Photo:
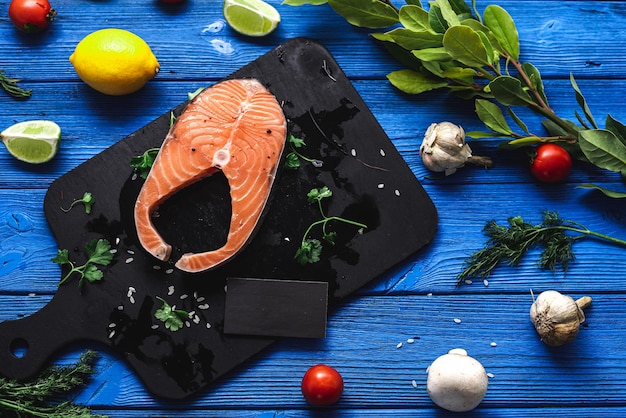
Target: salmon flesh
[{"x": 236, "y": 126}]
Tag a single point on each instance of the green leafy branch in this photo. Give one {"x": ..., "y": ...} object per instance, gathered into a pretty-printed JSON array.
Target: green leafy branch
[
  {"x": 508, "y": 244},
  {"x": 98, "y": 253},
  {"x": 40, "y": 397},
  {"x": 311, "y": 248},
  {"x": 476, "y": 57}
]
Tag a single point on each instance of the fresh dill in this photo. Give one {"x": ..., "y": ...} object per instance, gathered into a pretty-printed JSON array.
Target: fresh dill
[
  {"x": 40, "y": 397},
  {"x": 510, "y": 243}
]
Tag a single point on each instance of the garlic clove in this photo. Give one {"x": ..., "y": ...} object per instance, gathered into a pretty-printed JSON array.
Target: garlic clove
[{"x": 557, "y": 317}]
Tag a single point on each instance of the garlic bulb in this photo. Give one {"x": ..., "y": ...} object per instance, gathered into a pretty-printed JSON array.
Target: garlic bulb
[
  {"x": 557, "y": 317},
  {"x": 444, "y": 149}
]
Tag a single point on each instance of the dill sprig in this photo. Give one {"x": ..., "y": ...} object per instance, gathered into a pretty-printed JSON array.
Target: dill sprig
[
  {"x": 40, "y": 397},
  {"x": 510, "y": 243}
]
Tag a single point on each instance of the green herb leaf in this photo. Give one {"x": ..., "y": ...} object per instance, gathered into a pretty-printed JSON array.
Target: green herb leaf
[
  {"x": 448, "y": 13},
  {"x": 292, "y": 162},
  {"x": 617, "y": 128},
  {"x": 10, "y": 86},
  {"x": 610, "y": 193},
  {"x": 415, "y": 40},
  {"x": 535, "y": 80},
  {"x": 509, "y": 91},
  {"x": 503, "y": 28},
  {"x": 491, "y": 115},
  {"x": 414, "y": 18},
  {"x": 603, "y": 148},
  {"x": 466, "y": 46},
  {"x": 98, "y": 252},
  {"x": 309, "y": 251},
  {"x": 371, "y": 14},
  {"x": 172, "y": 318},
  {"x": 143, "y": 163},
  {"x": 88, "y": 200},
  {"x": 413, "y": 82},
  {"x": 582, "y": 102}
]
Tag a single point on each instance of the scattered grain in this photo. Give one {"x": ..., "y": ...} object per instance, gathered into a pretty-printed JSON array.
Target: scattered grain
[
  {"x": 490, "y": 375},
  {"x": 382, "y": 152},
  {"x": 414, "y": 384},
  {"x": 353, "y": 152},
  {"x": 381, "y": 185},
  {"x": 129, "y": 260},
  {"x": 410, "y": 340},
  {"x": 170, "y": 290},
  {"x": 399, "y": 345},
  {"x": 397, "y": 192},
  {"x": 457, "y": 321},
  {"x": 204, "y": 306},
  {"x": 494, "y": 344}
]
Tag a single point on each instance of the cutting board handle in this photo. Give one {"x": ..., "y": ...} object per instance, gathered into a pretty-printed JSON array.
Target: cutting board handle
[{"x": 27, "y": 344}]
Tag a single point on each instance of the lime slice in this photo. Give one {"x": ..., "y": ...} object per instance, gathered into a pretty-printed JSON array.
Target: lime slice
[
  {"x": 33, "y": 141},
  {"x": 251, "y": 17}
]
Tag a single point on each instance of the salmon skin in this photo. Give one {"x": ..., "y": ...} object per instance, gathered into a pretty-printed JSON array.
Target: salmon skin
[{"x": 236, "y": 126}]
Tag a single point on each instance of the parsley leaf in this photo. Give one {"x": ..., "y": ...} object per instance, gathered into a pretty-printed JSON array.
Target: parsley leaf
[
  {"x": 143, "y": 163},
  {"x": 172, "y": 318},
  {"x": 88, "y": 200},
  {"x": 311, "y": 249},
  {"x": 292, "y": 161},
  {"x": 98, "y": 252}
]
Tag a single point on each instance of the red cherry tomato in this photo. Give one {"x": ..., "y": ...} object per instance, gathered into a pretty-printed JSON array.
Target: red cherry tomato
[
  {"x": 31, "y": 16},
  {"x": 552, "y": 163},
  {"x": 322, "y": 385}
]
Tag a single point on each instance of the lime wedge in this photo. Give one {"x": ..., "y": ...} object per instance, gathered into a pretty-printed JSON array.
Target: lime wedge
[
  {"x": 251, "y": 17},
  {"x": 33, "y": 141}
]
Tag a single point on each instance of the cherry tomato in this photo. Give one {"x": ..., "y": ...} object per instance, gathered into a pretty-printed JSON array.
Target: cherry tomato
[
  {"x": 552, "y": 163},
  {"x": 322, "y": 385},
  {"x": 31, "y": 16}
]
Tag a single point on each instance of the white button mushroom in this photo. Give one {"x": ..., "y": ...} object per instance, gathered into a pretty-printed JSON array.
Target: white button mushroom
[{"x": 456, "y": 381}]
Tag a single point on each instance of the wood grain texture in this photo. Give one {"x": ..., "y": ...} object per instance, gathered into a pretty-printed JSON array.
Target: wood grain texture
[{"x": 417, "y": 299}]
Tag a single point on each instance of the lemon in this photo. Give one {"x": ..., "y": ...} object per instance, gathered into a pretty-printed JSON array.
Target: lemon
[
  {"x": 114, "y": 61},
  {"x": 251, "y": 17},
  {"x": 33, "y": 141}
]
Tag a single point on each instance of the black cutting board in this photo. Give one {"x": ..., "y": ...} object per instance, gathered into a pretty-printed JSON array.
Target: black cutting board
[{"x": 370, "y": 181}]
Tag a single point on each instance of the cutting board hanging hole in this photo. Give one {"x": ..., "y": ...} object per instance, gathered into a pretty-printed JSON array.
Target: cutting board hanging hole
[{"x": 19, "y": 348}]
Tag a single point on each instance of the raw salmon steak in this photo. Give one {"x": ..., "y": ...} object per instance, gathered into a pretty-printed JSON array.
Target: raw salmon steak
[{"x": 235, "y": 126}]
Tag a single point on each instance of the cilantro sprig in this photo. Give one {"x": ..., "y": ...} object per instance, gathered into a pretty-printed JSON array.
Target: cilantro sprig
[
  {"x": 292, "y": 160},
  {"x": 88, "y": 200},
  {"x": 171, "y": 317},
  {"x": 98, "y": 253},
  {"x": 311, "y": 248}
]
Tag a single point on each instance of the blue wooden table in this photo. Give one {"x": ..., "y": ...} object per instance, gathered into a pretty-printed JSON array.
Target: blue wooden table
[{"x": 416, "y": 300}]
